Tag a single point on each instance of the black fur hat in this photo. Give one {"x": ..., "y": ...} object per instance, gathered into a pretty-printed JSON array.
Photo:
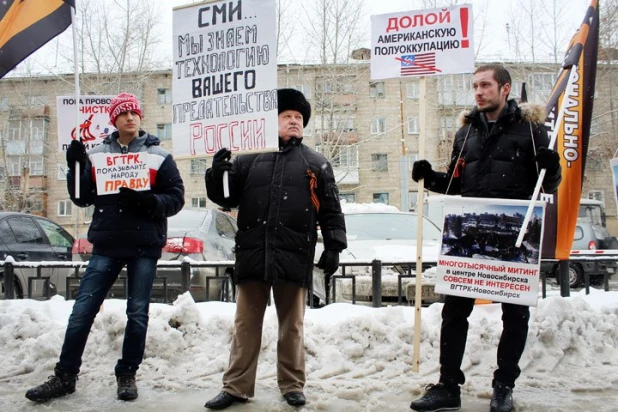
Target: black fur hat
[{"x": 292, "y": 99}]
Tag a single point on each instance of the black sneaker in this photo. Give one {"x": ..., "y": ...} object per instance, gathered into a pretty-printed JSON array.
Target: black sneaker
[
  {"x": 60, "y": 384},
  {"x": 502, "y": 399},
  {"x": 127, "y": 389},
  {"x": 440, "y": 397}
]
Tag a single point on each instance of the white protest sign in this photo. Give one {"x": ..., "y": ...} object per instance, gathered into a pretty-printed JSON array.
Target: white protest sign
[
  {"x": 422, "y": 42},
  {"x": 94, "y": 120},
  {"x": 114, "y": 170},
  {"x": 224, "y": 81},
  {"x": 478, "y": 257}
]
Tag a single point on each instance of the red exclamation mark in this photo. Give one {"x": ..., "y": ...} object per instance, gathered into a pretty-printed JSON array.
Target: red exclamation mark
[{"x": 463, "y": 14}]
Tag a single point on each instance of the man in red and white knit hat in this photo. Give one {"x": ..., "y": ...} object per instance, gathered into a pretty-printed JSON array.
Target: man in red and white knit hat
[
  {"x": 128, "y": 229},
  {"x": 123, "y": 103}
]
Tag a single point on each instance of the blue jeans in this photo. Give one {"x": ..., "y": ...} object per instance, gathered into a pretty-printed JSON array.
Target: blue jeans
[{"x": 98, "y": 279}]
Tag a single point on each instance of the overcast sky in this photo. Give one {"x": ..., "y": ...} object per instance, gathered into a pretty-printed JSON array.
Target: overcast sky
[
  {"x": 492, "y": 41},
  {"x": 490, "y": 15}
]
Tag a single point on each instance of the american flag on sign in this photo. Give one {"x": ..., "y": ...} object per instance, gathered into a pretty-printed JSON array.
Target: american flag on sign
[{"x": 418, "y": 64}]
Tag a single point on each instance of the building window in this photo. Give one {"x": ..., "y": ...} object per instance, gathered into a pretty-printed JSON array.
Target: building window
[
  {"x": 343, "y": 125},
  {"x": 64, "y": 208},
  {"x": 539, "y": 86},
  {"x": 164, "y": 96},
  {"x": 88, "y": 211},
  {"x": 4, "y": 104},
  {"x": 412, "y": 125},
  {"x": 455, "y": 90},
  {"x": 164, "y": 131},
  {"x": 379, "y": 162},
  {"x": 305, "y": 89},
  {"x": 412, "y": 201},
  {"x": 380, "y": 198},
  {"x": 340, "y": 156},
  {"x": 378, "y": 125},
  {"x": 198, "y": 166},
  {"x": 37, "y": 101},
  {"x": 198, "y": 202},
  {"x": 376, "y": 89},
  {"x": 36, "y": 165},
  {"x": 412, "y": 89},
  {"x": 34, "y": 205},
  {"x": 447, "y": 128},
  {"x": 62, "y": 171},
  {"x": 597, "y": 195},
  {"x": 348, "y": 197}
]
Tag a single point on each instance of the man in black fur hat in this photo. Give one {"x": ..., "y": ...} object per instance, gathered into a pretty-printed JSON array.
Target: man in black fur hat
[{"x": 281, "y": 198}]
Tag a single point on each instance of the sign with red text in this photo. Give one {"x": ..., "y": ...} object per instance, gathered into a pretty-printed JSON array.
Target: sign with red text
[
  {"x": 478, "y": 257},
  {"x": 422, "y": 42},
  {"x": 224, "y": 78},
  {"x": 114, "y": 170},
  {"x": 94, "y": 124}
]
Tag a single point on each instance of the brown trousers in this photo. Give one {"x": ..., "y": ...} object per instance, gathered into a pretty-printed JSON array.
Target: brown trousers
[{"x": 251, "y": 302}]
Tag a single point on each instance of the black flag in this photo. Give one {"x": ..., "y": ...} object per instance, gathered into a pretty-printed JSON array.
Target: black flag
[{"x": 524, "y": 95}]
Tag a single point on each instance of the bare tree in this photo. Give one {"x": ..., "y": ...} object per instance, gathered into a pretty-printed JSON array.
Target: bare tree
[{"x": 116, "y": 37}]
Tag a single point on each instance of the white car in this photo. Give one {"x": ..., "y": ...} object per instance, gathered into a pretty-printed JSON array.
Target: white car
[{"x": 387, "y": 235}]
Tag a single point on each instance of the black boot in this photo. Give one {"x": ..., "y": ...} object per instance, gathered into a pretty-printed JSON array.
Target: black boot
[
  {"x": 60, "y": 384},
  {"x": 296, "y": 398},
  {"x": 440, "y": 397},
  {"x": 224, "y": 400},
  {"x": 502, "y": 399},
  {"x": 127, "y": 389}
]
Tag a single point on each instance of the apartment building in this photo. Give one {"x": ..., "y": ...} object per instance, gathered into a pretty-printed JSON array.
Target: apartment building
[{"x": 372, "y": 132}]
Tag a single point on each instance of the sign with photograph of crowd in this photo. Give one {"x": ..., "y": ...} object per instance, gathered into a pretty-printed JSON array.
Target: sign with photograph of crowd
[{"x": 478, "y": 257}]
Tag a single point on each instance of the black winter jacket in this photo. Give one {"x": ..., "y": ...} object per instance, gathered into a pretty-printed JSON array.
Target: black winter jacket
[
  {"x": 117, "y": 233},
  {"x": 497, "y": 163},
  {"x": 277, "y": 222}
]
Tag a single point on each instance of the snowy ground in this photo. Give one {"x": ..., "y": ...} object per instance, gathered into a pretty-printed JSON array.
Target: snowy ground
[{"x": 358, "y": 358}]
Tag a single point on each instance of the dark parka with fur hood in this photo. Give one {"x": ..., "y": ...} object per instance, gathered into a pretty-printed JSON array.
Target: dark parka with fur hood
[
  {"x": 497, "y": 162},
  {"x": 120, "y": 233},
  {"x": 277, "y": 221}
]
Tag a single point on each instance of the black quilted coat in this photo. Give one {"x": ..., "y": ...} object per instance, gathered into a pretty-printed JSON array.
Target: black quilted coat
[
  {"x": 498, "y": 161},
  {"x": 277, "y": 221}
]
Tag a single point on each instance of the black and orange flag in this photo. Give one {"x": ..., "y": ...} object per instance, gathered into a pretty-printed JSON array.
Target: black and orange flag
[
  {"x": 26, "y": 25},
  {"x": 569, "y": 116}
]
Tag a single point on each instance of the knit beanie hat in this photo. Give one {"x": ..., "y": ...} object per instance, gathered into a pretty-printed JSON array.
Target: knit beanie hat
[
  {"x": 124, "y": 102},
  {"x": 292, "y": 99}
]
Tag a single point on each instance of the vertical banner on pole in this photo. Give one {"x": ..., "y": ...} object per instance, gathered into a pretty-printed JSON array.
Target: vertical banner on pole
[{"x": 569, "y": 116}]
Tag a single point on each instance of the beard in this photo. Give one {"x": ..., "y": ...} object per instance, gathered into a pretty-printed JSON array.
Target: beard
[{"x": 489, "y": 108}]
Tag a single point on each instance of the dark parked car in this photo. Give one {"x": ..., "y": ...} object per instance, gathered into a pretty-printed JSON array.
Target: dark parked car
[
  {"x": 30, "y": 238},
  {"x": 195, "y": 234}
]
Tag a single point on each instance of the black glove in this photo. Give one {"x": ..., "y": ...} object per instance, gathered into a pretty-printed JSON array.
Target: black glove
[
  {"x": 329, "y": 262},
  {"x": 221, "y": 163},
  {"x": 548, "y": 159},
  {"x": 138, "y": 203},
  {"x": 76, "y": 153},
  {"x": 421, "y": 170}
]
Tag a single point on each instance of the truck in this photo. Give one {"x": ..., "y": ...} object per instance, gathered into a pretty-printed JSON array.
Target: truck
[{"x": 591, "y": 238}]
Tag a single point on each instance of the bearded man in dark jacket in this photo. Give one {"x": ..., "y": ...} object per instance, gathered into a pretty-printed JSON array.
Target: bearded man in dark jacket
[
  {"x": 281, "y": 198},
  {"x": 497, "y": 153}
]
